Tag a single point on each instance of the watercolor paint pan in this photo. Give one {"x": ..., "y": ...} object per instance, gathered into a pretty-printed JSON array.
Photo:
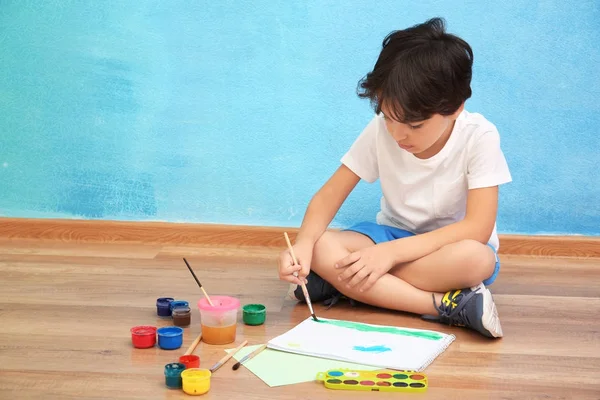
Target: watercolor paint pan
[{"x": 374, "y": 381}]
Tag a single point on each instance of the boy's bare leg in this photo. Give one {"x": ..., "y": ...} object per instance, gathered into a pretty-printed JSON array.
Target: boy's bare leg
[
  {"x": 458, "y": 265},
  {"x": 392, "y": 292},
  {"x": 388, "y": 292}
]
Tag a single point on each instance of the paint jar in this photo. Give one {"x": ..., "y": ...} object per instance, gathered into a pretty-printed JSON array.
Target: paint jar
[
  {"x": 173, "y": 375},
  {"x": 191, "y": 361},
  {"x": 143, "y": 337},
  {"x": 179, "y": 303},
  {"x": 163, "y": 306},
  {"x": 196, "y": 381},
  {"x": 219, "y": 321},
  {"x": 182, "y": 316},
  {"x": 170, "y": 337},
  {"x": 254, "y": 314}
]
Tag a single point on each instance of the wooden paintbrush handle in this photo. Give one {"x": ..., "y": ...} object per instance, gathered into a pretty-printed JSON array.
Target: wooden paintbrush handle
[
  {"x": 307, "y": 298},
  {"x": 192, "y": 347},
  {"x": 207, "y": 298},
  {"x": 290, "y": 247},
  {"x": 251, "y": 355},
  {"x": 302, "y": 284},
  {"x": 223, "y": 360}
]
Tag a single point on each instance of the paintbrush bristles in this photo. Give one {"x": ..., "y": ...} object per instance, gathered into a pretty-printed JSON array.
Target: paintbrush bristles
[{"x": 249, "y": 356}]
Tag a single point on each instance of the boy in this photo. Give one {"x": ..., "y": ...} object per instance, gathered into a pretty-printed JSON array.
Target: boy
[{"x": 434, "y": 247}]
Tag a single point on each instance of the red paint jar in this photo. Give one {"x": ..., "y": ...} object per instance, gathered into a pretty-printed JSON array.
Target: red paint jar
[
  {"x": 143, "y": 337},
  {"x": 190, "y": 361}
]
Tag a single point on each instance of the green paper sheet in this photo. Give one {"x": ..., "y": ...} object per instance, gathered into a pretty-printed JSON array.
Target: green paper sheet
[{"x": 278, "y": 368}]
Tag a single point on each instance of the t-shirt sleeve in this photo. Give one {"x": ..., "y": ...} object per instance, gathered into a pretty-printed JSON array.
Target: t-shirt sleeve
[
  {"x": 487, "y": 165},
  {"x": 361, "y": 158}
]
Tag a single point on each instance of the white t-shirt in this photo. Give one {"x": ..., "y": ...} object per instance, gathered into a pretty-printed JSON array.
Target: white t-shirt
[{"x": 423, "y": 195}]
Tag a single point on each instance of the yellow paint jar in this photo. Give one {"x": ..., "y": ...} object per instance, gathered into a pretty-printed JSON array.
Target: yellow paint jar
[{"x": 196, "y": 381}]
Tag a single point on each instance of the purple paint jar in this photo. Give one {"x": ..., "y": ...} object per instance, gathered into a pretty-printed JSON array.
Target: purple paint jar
[{"x": 163, "y": 306}]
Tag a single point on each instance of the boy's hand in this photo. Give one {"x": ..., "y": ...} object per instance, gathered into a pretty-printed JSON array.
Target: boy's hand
[
  {"x": 287, "y": 269},
  {"x": 366, "y": 265}
]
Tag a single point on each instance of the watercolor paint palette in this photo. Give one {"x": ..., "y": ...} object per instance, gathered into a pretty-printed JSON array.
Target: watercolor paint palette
[{"x": 374, "y": 381}]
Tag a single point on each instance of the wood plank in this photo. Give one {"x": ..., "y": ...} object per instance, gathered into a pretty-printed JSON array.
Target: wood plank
[
  {"x": 66, "y": 311},
  {"x": 211, "y": 235},
  {"x": 550, "y": 246}
]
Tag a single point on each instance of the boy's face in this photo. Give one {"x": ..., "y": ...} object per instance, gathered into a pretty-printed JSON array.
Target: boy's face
[{"x": 424, "y": 138}]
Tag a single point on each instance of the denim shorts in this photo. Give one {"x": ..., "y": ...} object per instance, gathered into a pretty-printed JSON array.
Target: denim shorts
[{"x": 384, "y": 233}]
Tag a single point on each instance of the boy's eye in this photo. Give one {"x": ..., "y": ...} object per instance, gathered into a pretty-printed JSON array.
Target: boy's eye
[{"x": 416, "y": 126}]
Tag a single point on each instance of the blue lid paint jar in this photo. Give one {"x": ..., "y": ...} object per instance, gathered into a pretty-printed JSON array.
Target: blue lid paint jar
[
  {"x": 163, "y": 306},
  {"x": 170, "y": 337},
  {"x": 179, "y": 303},
  {"x": 173, "y": 375}
]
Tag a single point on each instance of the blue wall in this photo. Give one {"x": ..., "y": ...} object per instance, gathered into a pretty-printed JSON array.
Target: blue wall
[{"x": 236, "y": 112}]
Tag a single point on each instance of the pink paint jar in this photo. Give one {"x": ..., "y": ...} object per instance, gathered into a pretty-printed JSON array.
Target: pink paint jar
[{"x": 219, "y": 321}]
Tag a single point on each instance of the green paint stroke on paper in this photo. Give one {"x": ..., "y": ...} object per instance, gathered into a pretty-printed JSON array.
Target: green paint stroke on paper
[{"x": 382, "y": 329}]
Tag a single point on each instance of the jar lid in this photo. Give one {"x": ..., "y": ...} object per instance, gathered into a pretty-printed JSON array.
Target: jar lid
[
  {"x": 163, "y": 301},
  {"x": 220, "y": 303},
  {"x": 179, "y": 303},
  {"x": 169, "y": 331},
  {"x": 174, "y": 369},
  {"x": 143, "y": 330}
]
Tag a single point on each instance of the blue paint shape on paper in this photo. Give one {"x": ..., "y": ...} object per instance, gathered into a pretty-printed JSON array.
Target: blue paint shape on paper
[{"x": 372, "y": 349}]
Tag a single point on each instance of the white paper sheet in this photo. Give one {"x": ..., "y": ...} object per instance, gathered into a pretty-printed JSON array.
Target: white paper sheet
[{"x": 375, "y": 345}]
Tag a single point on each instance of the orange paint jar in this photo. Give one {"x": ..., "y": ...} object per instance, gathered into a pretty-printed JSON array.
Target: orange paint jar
[{"x": 219, "y": 321}]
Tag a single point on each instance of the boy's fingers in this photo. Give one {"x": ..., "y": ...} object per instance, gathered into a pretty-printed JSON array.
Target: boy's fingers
[
  {"x": 370, "y": 281},
  {"x": 359, "y": 277},
  {"x": 291, "y": 279},
  {"x": 349, "y": 259},
  {"x": 350, "y": 271}
]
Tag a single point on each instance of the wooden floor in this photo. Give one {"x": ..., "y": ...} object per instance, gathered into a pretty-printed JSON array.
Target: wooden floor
[{"x": 66, "y": 310}]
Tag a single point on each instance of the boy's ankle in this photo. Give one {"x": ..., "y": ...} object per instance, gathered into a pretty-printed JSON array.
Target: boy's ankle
[{"x": 470, "y": 307}]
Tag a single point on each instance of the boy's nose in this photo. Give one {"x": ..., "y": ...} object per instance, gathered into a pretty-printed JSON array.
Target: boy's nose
[{"x": 399, "y": 135}]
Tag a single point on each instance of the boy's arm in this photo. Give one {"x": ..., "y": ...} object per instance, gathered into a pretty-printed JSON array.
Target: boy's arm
[
  {"x": 326, "y": 203},
  {"x": 478, "y": 224},
  {"x": 319, "y": 213}
]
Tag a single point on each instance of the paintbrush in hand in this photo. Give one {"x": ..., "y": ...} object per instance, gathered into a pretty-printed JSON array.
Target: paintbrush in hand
[{"x": 302, "y": 284}]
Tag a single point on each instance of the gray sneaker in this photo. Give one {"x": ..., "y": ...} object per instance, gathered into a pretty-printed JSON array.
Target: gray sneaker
[
  {"x": 472, "y": 308},
  {"x": 320, "y": 290}
]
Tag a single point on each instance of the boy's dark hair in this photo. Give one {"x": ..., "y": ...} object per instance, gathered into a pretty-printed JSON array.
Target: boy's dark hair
[{"x": 420, "y": 71}]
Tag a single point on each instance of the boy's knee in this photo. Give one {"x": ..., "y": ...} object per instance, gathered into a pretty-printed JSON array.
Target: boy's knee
[
  {"x": 324, "y": 251},
  {"x": 478, "y": 258},
  {"x": 324, "y": 244}
]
